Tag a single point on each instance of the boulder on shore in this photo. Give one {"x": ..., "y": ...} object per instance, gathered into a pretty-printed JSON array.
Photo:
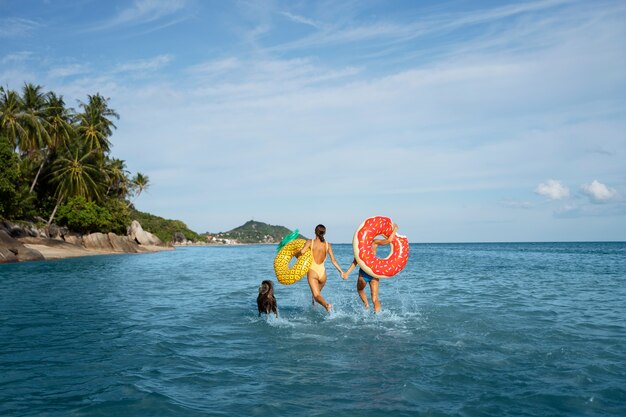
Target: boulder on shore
[
  {"x": 136, "y": 233},
  {"x": 97, "y": 241},
  {"x": 123, "y": 244},
  {"x": 110, "y": 242},
  {"x": 12, "y": 250},
  {"x": 25, "y": 242}
]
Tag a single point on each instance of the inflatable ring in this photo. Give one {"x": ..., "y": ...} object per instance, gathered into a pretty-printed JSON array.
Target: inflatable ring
[
  {"x": 286, "y": 275},
  {"x": 364, "y": 252}
]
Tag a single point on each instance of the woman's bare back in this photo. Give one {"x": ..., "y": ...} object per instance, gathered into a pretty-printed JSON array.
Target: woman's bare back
[{"x": 319, "y": 249}]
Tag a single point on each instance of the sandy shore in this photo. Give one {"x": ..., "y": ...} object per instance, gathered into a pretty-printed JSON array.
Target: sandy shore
[
  {"x": 61, "y": 252},
  {"x": 54, "y": 249},
  {"x": 30, "y": 245}
]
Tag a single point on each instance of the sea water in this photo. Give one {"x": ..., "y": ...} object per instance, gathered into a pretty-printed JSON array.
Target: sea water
[{"x": 519, "y": 329}]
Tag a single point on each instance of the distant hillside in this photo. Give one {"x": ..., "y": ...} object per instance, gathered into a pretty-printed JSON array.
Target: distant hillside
[
  {"x": 252, "y": 232},
  {"x": 167, "y": 230}
]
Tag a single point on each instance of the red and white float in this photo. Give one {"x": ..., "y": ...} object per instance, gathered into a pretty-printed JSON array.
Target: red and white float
[{"x": 364, "y": 249}]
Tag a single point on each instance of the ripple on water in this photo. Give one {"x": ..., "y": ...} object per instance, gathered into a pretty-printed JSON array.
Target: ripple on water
[{"x": 466, "y": 329}]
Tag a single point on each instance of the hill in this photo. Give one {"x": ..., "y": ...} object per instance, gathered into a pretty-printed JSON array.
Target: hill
[
  {"x": 251, "y": 232},
  {"x": 167, "y": 230}
]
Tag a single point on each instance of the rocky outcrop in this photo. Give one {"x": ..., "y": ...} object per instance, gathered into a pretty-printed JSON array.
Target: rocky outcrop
[
  {"x": 57, "y": 232},
  {"x": 8, "y": 247},
  {"x": 136, "y": 233},
  {"x": 25, "y": 242},
  {"x": 74, "y": 239},
  {"x": 21, "y": 230},
  {"x": 123, "y": 244},
  {"x": 12, "y": 250},
  {"x": 110, "y": 242},
  {"x": 97, "y": 241}
]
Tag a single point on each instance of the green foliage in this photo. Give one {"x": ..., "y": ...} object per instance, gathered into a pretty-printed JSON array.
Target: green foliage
[
  {"x": 9, "y": 174},
  {"x": 84, "y": 216},
  {"x": 120, "y": 216},
  {"x": 256, "y": 232},
  {"x": 55, "y": 156},
  {"x": 164, "y": 229}
]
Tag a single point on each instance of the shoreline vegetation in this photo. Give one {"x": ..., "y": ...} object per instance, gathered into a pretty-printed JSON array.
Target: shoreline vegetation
[
  {"x": 63, "y": 194},
  {"x": 26, "y": 242}
]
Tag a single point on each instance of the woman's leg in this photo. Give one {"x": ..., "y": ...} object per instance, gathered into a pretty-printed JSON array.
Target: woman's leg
[
  {"x": 374, "y": 289},
  {"x": 316, "y": 289},
  {"x": 360, "y": 286}
]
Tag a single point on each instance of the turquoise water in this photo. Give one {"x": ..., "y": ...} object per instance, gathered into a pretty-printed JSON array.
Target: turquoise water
[{"x": 466, "y": 330}]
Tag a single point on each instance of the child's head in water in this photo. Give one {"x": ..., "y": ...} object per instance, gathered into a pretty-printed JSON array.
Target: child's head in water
[{"x": 266, "y": 302}]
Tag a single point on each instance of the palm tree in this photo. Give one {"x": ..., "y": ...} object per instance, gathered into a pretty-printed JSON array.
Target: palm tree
[
  {"x": 11, "y": 117},
  {"x": 94, "y": 124},
  {"x": 75, "y": 175},
  {"x": 139, "y": 183},
  {"x": 58, "y": 119},
  {"x": 116, "y": 176},
  {"x": 35, "y": 124}
]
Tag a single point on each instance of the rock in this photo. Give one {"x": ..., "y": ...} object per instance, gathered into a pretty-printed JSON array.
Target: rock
[
  {"x": 7, "y": 242},
  {"x": 22, "y": 230},
  {"x": 57, "y": 232},
  {"x": 28, "y": 254},
  {"x": 11, "y": 250},
  {"x": 97, "y": 241},
  {"x": 7, "y": 256},
  {"x": 179, "y": 238},
  {"x": 123, "y": 244},
  {"x": 136, "y": 233},
  {"x": 110, "y": 242},
  {"x": 73, "y": 238}
]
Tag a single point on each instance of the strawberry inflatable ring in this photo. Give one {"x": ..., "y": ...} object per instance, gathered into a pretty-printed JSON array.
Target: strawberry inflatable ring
[{"x": 364, "y": 251}]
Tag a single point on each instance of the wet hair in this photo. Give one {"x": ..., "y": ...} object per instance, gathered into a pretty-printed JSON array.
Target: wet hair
[
  {"x": 266, "y": 302},
  {"x": 320, "y": 230}
]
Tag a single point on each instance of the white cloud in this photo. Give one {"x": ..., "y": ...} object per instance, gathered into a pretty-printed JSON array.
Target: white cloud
[
  {"x": 149, "y": 10},
  {"x": 599, "y": 192},
  {"x": 552, "y": 189},
  {"x": 16, "y": 58},
  {"x": 144, "y": 11},
  {"x": 12, "y": 27},
  {"x": 301, "y": 19},
  {"x": 68, "y": 70},
  {"x": 144, "y": 65},
  {"x": 398, "y": 32},
  {"x": 219, "y": 66}
]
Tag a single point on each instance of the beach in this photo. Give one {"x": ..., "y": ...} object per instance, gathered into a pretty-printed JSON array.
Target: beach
[
  {"x": 61, "y": 250},
  {"x": 30, "y": 248}
]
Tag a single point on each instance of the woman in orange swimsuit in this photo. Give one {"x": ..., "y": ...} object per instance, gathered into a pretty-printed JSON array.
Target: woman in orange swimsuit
[{"x": 317, "y": 273}]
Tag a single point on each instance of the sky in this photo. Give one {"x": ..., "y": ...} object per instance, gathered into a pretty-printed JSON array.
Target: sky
[{"x": 463, "y": 121}]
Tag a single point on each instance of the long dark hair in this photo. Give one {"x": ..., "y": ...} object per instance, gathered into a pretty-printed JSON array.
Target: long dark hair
[{"x": 320, "y": 230}]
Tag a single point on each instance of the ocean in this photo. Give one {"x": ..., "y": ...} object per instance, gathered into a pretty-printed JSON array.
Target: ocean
[{"x": 493, "y": 329}]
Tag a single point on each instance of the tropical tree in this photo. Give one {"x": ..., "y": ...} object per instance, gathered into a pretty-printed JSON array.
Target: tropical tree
[
  {"x": 95, "y": 125},
  {"x": 75, "y": 174},
  {"x": 12, "y": 124},
  {"x": 34, "y": 107},
  {"x": 116, "y": 177},
  {"x": 60, "y": 130},
  {"x": 139, "y": 183},
  {"x": 9, "y": 174}
]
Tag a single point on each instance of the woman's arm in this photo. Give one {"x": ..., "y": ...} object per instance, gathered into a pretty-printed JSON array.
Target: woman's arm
[
  {"x": 333, "y": 260},
  {"x": 387, "y": 240},
  {"x": 350, "y": 269},
  {"x": 306, "y": 246}
]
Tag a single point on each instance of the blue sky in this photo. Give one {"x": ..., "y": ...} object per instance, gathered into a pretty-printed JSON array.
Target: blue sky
[{"x": 463, "y": 121}]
